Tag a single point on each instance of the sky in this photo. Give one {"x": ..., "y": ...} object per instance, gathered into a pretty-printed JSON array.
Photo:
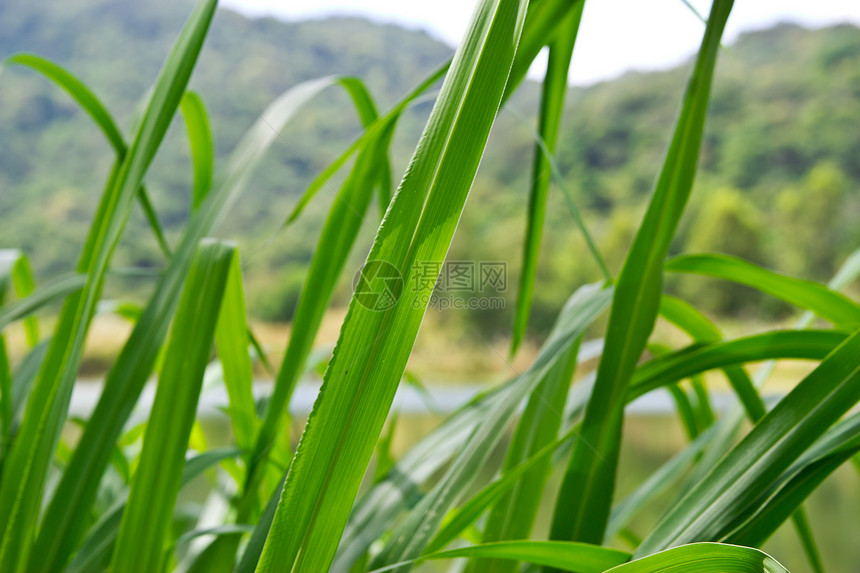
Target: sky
[{"x": 615, "y": 35}]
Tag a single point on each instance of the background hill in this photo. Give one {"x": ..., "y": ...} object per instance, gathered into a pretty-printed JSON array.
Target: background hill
[{"x": 777, "y": 185}]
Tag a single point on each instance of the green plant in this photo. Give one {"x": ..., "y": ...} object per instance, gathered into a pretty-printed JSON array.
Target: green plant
[{"x": 113, "y": 505}]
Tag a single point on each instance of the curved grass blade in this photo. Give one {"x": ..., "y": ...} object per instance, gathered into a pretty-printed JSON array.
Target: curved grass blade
[
  {"x": 375, "y": 344},
  {"x": 543, "y": 22},
  {"x": 704, "y": 558},
  {"x": 808, "y": 295},
  {"x": 566, "y": 555},
  {"x": 26, "y": 467},
  {"x": 549, "y": 124},
  {"x": 202, "y": 147},
  {"x": 797, "y": 344},
  {"x": 102, "y": 118},
  {"x": 583, "y": 505},
  {"x": 69, "y": 509},
  {"x": 147, "y": 517}
]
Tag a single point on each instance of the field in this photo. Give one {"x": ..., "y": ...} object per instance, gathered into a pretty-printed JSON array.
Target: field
[{"x": 544, "y": 468}]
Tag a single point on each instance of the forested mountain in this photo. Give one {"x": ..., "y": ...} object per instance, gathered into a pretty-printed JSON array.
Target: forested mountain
[{"x": 778, "y": 184}]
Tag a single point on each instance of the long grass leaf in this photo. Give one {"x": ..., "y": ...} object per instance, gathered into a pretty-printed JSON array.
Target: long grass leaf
[
  {"x": 549, "y": 124},
  {"x": 147, "y": 517},
  {"x": 346, "y": 420},
  {"x": 583, "y": 505},
  {"x": 808, "y": 295},
  {"x": 202, "y": 147}
]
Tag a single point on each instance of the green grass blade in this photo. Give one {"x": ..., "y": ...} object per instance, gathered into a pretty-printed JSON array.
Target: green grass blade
[
  {"x": 149, "y": 512},
  {"x": 773, "y": 444},
  {"x": 569, "y": 556},
  {"x": 695, "y": 359},
  {"x": 549, "y": 124},
  {"x": 377, "y": 509},
  {"x": 808, "y": 295},
  {"x": 26, "y": 467},
  {"x": 251, "y": 556},
  {"x": 202, "y": 146},
  {"x": 102, "y": 118},
  {"x": 704, "y": 558},
  {"x": 231, "y": 340},
  {"x": 346, "y": 420},
  {"x": 583, "y": 505},
  {"x": 70, "y": 507}
]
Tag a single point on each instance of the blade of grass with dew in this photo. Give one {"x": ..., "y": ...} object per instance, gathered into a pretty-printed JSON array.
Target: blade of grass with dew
[
  {"x": 70, "y": 506},
  {"x": 808, "y": 295},
  {"x": 375, "y": 344},
  {"x": 584, "y": 502},
  {"x": 771, "y": 446},
  {"x": 26, "y": 467},
  {"x": 155, "y": 485},
  {"x": 102, "y": 118},
  {"x": 95, "y": 551},
  {"x": 202, "y": 147},
  {"x": 549, "y": 124}
]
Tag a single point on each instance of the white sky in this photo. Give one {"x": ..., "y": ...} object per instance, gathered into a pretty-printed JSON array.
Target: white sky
[{"x": 616, "y": 35}]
